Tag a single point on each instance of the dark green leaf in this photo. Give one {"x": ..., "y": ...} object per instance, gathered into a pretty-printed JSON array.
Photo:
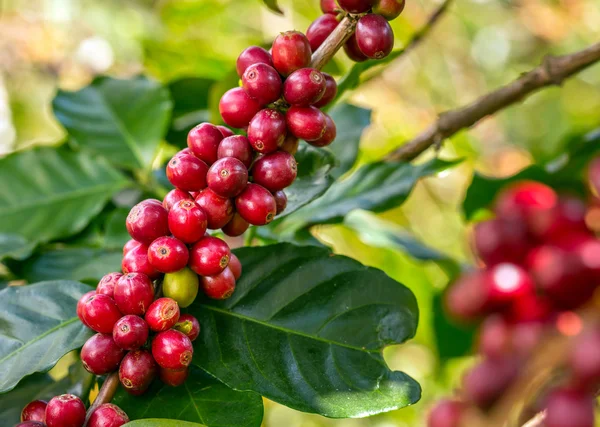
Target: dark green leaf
[
  {"x": 116, "y": 235},
  {"x": 453, "y": 339},
  {"x": 201, "y": 399},
  {"x": 306, "y": 329},
  {"x": 14, "y": 246},
  {"x": 272, "y": 4},
  {"x": 38, "y": 325},
  {"x": 161, "y": 423},
  {"x": 124, "y": 120}
]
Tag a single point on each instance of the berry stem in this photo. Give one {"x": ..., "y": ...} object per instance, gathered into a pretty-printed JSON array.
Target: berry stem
[
  {"x": 107, "y": 392},
  {"x": 334, "y": 42}
]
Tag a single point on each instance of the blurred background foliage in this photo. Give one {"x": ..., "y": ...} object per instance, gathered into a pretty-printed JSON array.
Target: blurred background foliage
[{"x": 477, "y": 46}]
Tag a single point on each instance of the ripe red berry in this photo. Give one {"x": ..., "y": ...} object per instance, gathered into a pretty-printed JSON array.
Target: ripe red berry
[
  {"x": 162, "y": 314},
  {"x": 256, "y": 205},
  {"x": 250, "y": 56},
  {"x": 524, "y": 201},
  {"x": 389, "y": 9},
  {"x": 130, "y": 332},
  {"x": 584, "y": 360},
  {"x": 137, "y": 371},
  {"x": 236, "y": 227},
  {"x": 486, "y": 382},
  {"x": 188, "y": 325},
  {"x": 172, "y": 350},
  {"x": 80, "y": 305},
  {"x": 31, "y": 424},
  {"x": 108, "y": 415},
  {"x": 569, "y": 408},
  {"x": 134, "y": 293},
  {"x": 567, "y": 217},
  {"x": 137, "y": 261},
  {"x": 175, "y": 196},
  {"x": 494, "y": 337},
  {"x": 131, "y": 244},
  {"x": 329, "y": 135},
  {"x": 225, "y": 131},
  {"x": 100, "y": 354},
  {"x": 187, "y": 172},
  {"x": 106, "y": 285},
  {"x": 209, "y": 256},
  {"x": 280, "y": 201},
  {"x": 291, "y": 51},
  {"x": 147, "y": 221},
  {"x": 374, "y": 36},
  {"x": 220, "y": 286},
  {"x": 218, "y": 210},
  {"x": 237, "y": 108},
  {"x": 329, "y": 6},
  {"x": 267, "y": 131},
  {"x": 468, "y": 298},
  {"x": 307, "y": 123},
  {"x": 227, "y": 177},
  {"x": 34, "y": 411},
  {"x": 304, "y": 86},
  {"x": 290, "y": 144},
  {"x": 356, "y": 6},
  {"x": 263, "y": 83},
  {"x": 499, "y": 240},
  {"x": 320, "y": 29},
  {"x": 330, "y": 91},
  {"x": 100, "y": 313},
  {"x": 168, "y": 254},
  {"x": 237, "y": 146},
  {"x": 203, "y": 141},
  {"x": 235, "y": 266},
  {"x": 173, "y": 378},
  {"x": 507, "y": 283},
  {"x": 65, "y": 410},
  {"x": 529, "y": 308},
  {"x": 275, "y": 171},
  {"x": 352, "y": 50},
  {"x": 188, "y": 221},
  {"x": 446, "y": 413}
]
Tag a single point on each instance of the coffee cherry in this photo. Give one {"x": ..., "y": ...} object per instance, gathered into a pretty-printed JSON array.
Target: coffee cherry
[
  {"x": 569, "y": 408},
  {"x": 329, "y": 6},
  {"x": 130, "y": 245},
  {"x": 525, "y": 201},
  {"x": 304, "y": 87},
  {"x": 34, "y": 411},
  {"x": 172, "y": 350},
  {"x": 499, "y": 240},
  {"x": 238, "y": 147},
  {"x": 188, "y": 325},
  {"x": 507, "y": 283},
  {"x": 227, "y": 177},
  {"x": 137, "y": 371},
  {"x": 130, "y": 332},
  {"x": 353, "y": 51},
  {"x": 329, "y": 135},
  {"x": 187, "y": 172},
  {"x": 174, "y": 378},
  {"x": 175, "y": 196},
  {"x": 356, "y": 6},
  {"x": 307, "y": 123},
  {"x": 236, "y": 227},
  {"x": 108, "y": 415},
  {"x": 468, "y": 298},
  {"x": 188, "y": 221},
  {"x": 529, "y": 308},
  {"x": 106, "y": 285},
  {"x": 389, "y": 9},
  {"x": 330, "y": 91},
  {"x": 567, "y": 217},
  {"x": 218, "y": 210},
  {"x": 136, "y": 261},
  {"x": 209, "y": 256},
  {"x": 446, "y": 413},
  {"x": 275, "y": 171},
  {"x": 133, "y": 294},
  {"x": 31, "y": 424},
  {"x": 147, "y": 221},
  {"x": 168, "y": 254},
  {"x": 486, "y": 382},
  {"x": 263, "y": 83},
  {"x": 280, "y": 201},
  {"x": 291, "y": 51},
  {"x": 80, "y": 305},
  {"x": 256, "y": 205},
  {"x": 267, "y": 131},
  {"x": 237, "y": 108},
  {"x": 225, "y": 131},
  {"x": 100, "y": 313},
  {"x": 162, "y": 314},
  {"x": 181, "y": 286},
  {"x": 220, "y": 286},
  {"x": 320, "y": 29},
  {"x": 494, "y": 337},
  {"x": 203, "y": 141},
  {"x": 584, "y": 360},
  {"x": 374, "y": 36},
  {"x": 235, "y": 266},
  {"x": 250, "y": 56},
  {"x": 290, "y": 144},
  {"x": 100, "y": 354},
  {"x": 65, "y": 410}
]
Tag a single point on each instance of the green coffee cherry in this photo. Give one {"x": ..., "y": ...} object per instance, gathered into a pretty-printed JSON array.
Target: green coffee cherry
[{"x": 182, "y": 286}]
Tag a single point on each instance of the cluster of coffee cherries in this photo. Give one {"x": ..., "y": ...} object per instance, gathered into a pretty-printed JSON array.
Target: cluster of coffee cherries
[
  {"x": 541, "y": 265},
  {"x": 68, "y": 410}
]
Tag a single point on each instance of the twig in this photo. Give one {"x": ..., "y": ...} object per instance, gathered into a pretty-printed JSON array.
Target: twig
[
  {"x": 334, "y": 42},
  {"x": 107, "y": 392},
  {"x": 537, "y": 421},
  {"x": 553, "y": 71}
]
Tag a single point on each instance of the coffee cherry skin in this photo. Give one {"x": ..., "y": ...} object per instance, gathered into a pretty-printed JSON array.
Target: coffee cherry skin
[
  {"x": 280, "y": 201},
  {"x": 175, "y": 196},
  {"x": 172, "y": 350},
  {"x": 250, "y": 56},
  {"x": 263, "y": 83},
  {"x": 507, "y": 283},
  {"x": 188, "y": 325},
  {"x": 108, "y": 415},
  {"x": 31, "y": 424},
  {"x": 134, "y": 293},
  {"x": 330, "y": 91},
  {"x": 500, "y": 240},
  {"x": 218, "y": 210},
  {"x": 209, "y": 256},
  {"x": 256, "y": 205},
  {"x": 389, "y": 9},
  {"x": 130, "y": 332},
  {"x": 468, "y": 298},
  {"x": 220, "y": 286},
  {"x": 137, "y": 371},
  {"x": 569, "y": 408},
  {"x": 275, "y": 171},
  {"x": 486, "y": 382},
  {"x": 584, "y": 360},
  {"x": 329, "y": 135},
  {"x": 320, "y": 29},
  {"x": 290, "y": 144},
  {"x": 188, "y": 221},
  {"x": 173, "y": 378},
  {"x": 236, "y": 227},
  {"x": 374, "y": 36},
  {"x": 237, "y": 146},
  {"x": 162, "y": 314},
  {"x": 237, "y": 108},
  {"x": 356, "y": 6},
  {"x": 304, "y": 87},
  {"x": 267, "y": 131},
  {"x": 130, "y": 245},
  {"x": 187, "y": 172},
  {"x": 329, "y": 6},
  {"x": 34, "y": 411},
  {"x": 227, "y": 177},
  {"x": 291, "y": 51},
  {"x": 100, "y": 313},
  {"x": 446, "y": 413},
  {"x": 147, "y": 221},
  {"x": 65, "y": 410},
  {"x": 100, "y": 354},
  {"x": 525, "y": 201},
  {"x": 106, "y": 285},
  {"x": 235, "y": 266},
  {"x": 181, "y": 286},
  {"x": 353, "y": 51},
  {"x": 225, "y": 131},
  {"x": 494, "y": 337},
  {"x": 80, "y": 305},
  {"x": 168, "y": 254},
  {"x": 137, "y": 261},
  {"x": 203, "y": 141},
  {"x": 307, "y": 123}
]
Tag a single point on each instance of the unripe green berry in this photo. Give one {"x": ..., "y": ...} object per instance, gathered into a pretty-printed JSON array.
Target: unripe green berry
[{"x": 182, "y": 286}]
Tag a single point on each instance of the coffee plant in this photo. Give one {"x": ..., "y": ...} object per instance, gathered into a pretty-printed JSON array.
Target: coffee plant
[{"x": 209, "y": 290}]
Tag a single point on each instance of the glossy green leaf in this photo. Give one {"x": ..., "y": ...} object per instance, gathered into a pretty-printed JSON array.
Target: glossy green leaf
[
  {"x": 124, "y": 120},
  {"x": 306, "y": 329},
  {"x": 14, "y": 246},
  {"x": 201, "y": 399},
  {"x": 274, "y": 6},
  {"x": 350, "y": 122},
  {"x": 48, "y": 193},
  {"x": 38, "y": 325},
  {"x": 161, "y": 423},
  {"x": 115, "y": 234}
]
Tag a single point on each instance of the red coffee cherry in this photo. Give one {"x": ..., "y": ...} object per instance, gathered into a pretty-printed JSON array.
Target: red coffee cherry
[
  {"x": 225, "y": 131},
  {"x": 175, "y": 196},
  {"x": 330, "y": 91},
  {"x": 320, "y": 29},
  {"x": 291, "y": 51},
  {"x": 80, "y": 305},
  {"x": 100, "y": 354},
  {"x": 263, "y": 83},
  {"x": 569, "y": 408},
  {"x": 280, "y": 201},
  {"x": 525, "y": 201},
  {"x": 31, "y": 424},
  {"x": 137, "y": 371},
  {"x": 108, "y": 415},
  {"x": 256, "y": 205},
  {"x": 130, "y": 332},
  {"x": 218, "y": 210},
  {"x": 172, "y": 350},
  {"x": 304, "y": 86},
  {"x": 389, "y": 9},
  {"x": 529, "y": 308},
  {"x": 237, "y": 108},
  {"x": 507, "y": 283},
  {"x": 486, "y": 382},
  {"x": 329, "y": 135},
  {"x": 236, "y": 227},
  {"x": 134, "y": 293},
  {"x": 162, "y": 314},
  {"x": 187, "y": 172},
  {"x": 356, "y": 6},
  {"x": 137, "y": 261},
  {"x": 235, "y": 266},
  {"x": 100, "y": 313},
  {"x": 203, "y": 141},
  {"x": 290, "y": 144},
  {"x": 188, "y": 325},
  {"x": 494, "y": 337},
  {"x": 275, "y": 171},
  {"x": 173, "y": 378},
  {"x": 168, "y": 254},
  {"x": 567, "y": 217},
  {"x": 353, "y": 51},
  {"x": 374, "y": 36},
  {"x": 34, "y": 411},
  {"x": 499, "y": 240},
  {"x": 329, "y": 6},
  {"x": 250, "y": 56},
  {"x": 220, "y": 286},
  {"x": 130, "y": 245},
  {"x": 106, "y": 285},
  {"x": 307, "y": 123},
  {"x": 446, "y": 413},
  {"x": 237, "y": 146},
  {"x": 227, "y": 177},
  {"x": 469, "y": 297},
  {"x": 65, "y": 410},
  {"x": 584, "y": 360},
  {"x": 209, "y": 256},
  {"x": 147, "y": 221},
  {"x": 188, "y": 221},
  {"x": 267, "y": 131}
]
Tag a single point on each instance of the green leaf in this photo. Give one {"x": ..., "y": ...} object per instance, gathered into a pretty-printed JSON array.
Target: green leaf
[
  {"x": 124, "y": 120},
  {"x": 48, "y": 193},
  {"x": 38, "y": 325},
  {"x": 116, "y": 234},
  {"x": 14, "y": 246},
  {"x": 307, "y": 329},
  {"x": 161, "y": 423},
  {"x": 272, "y": 4},
  {"x": 201, "y": 399},
  {"x": 350, "y": 122},
  {"x": 453, "y": 339}
]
